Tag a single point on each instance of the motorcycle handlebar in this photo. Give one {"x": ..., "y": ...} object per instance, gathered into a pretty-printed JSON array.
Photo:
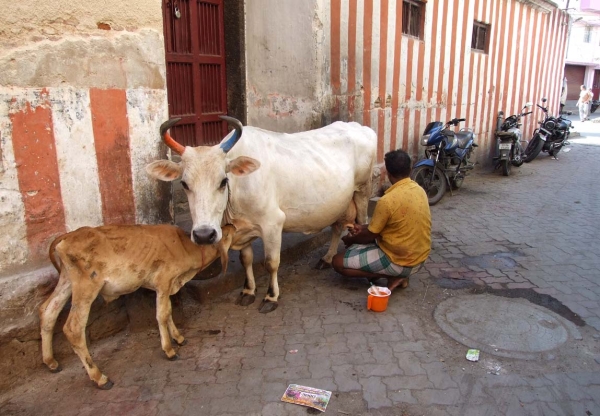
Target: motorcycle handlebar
[
  {"x": 455, "y": 121},
  {"x": 529, "y": 112},
  {"x": 543, "y": 108}
]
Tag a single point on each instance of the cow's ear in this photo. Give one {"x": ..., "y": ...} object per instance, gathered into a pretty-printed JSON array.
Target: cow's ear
[
  {"x": 243, "y": 165},
  {"x": 164, "y": 170}
]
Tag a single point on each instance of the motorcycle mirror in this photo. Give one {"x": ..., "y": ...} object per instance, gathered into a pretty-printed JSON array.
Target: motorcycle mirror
[
  {"x": 544, "y": 100},
  {"x": 528, "y": 104}
]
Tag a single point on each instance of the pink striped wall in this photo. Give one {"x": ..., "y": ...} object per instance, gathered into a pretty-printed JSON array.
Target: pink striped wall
[
  {"x": 407, "y": 82},
  {"x": 73, "y": 158}
]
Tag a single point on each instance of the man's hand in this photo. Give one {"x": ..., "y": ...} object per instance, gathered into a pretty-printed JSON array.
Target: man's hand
[{"x": 359, "y": 234}]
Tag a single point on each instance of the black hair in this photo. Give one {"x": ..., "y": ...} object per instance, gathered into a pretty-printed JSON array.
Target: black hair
[{"x": 398, "y": 163}]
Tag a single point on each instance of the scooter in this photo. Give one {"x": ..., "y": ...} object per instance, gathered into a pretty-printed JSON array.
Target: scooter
[
  {"x": 446, "y": 160},
  {"x": 509, "y": 147}
]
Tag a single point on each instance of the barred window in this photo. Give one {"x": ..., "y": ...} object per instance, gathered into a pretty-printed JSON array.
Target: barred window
[
  {"x": 587, "y": 35},
  {"x": 479, "y": 40},
  {"x": 413, "y": 18}
]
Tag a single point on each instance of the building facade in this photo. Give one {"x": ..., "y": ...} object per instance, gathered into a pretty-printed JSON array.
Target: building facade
[
  {"x": 85, "y": 86},
  {"x": 398, "y": 82},
  {"x": 582, "y": 63}
]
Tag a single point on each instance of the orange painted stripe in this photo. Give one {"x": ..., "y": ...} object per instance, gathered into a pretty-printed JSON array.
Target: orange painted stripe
[
  {"x": 461, "y": 73},
  {"x": 533, "y": 88},
  {"x": 450, "y": 93},
  {"x": 352, "y": 57},
  {"x": 396, "y": 77},
  {"x": 38, "y": 175},
  {"x": 471, "y": 79},
  {"x": 336, "y": 17},
  {"x": 541, "y": 63},
  {"x": 383, "y": 52},
  {"x": 433, "y": 64},
  {"x": 510, "y": 67},
  {"x": 500, "y": 87},
  {"x": 495, "y": 63},
  {"x": 442, "y": 63},
  {"x": 111, "y": 139},
  {"x": 367, "y": 43},
  {"x": 408, "y": 92},
  {"x": 549, "y": 62},
  {"x": 481, "y": 100},
  {"x": 524, "y": 24},
  {"x": 419, "y": 97}
]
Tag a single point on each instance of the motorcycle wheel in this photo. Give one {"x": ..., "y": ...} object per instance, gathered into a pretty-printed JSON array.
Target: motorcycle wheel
[
  {"x": 506, "y": 167},
  {"x": 533, "y": 149},
  {"x": 435, "y": 187},
  {"x": 517, "y": 160}
]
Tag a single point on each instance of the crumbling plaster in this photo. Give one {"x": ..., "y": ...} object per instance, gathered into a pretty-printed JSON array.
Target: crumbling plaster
[{"x": 34, "y": 21}]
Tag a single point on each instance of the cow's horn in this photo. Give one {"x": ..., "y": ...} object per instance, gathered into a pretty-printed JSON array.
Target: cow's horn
[
  {"x": 226, "y": 146},
  {"x": 169, "y": 141}
]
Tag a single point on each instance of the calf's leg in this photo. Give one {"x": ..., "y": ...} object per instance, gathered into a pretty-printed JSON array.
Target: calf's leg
[
  {"x": 48, "y": 312},
  {"x": 84, "y": 293},
  {"x": 248, "y": 295},
  {"x": 163, "y": 316},
  {"x": 175, "y": 334}
]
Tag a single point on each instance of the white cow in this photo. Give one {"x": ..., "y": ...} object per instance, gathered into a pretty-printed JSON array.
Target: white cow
[{"x": 265, "y": 183}]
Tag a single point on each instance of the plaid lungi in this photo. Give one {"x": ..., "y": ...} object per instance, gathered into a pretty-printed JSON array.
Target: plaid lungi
[{"x": 370, "y": 258}]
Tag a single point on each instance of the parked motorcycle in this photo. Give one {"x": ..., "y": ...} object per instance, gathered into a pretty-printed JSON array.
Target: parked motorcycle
[
  {"x": 551, "y": 136},
  {"x": 446, "y": 160},
  {"x": 594, "y": 106},
  {"x": 509, "y": 148}
]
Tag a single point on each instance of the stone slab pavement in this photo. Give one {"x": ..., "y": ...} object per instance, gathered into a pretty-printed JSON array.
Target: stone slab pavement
[{"x": 532, "y": 235}]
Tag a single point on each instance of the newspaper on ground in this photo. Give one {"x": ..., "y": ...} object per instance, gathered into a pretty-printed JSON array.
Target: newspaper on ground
[{"x": 307, "y": 396}]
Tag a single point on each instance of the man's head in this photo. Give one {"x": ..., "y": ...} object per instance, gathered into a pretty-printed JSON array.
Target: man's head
[
  {"x": 397, "y": 164},
  {"x": 583, "y": 87}
]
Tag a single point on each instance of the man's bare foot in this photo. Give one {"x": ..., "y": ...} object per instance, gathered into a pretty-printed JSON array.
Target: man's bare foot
[{"x": 394, "y": 282}]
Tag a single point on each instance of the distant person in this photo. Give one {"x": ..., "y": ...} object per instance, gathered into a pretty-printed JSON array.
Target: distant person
[
  {"x": 585, "y": 98},
  {"x": 398, "y": 238},
  {"x": 563, "y": 95}
]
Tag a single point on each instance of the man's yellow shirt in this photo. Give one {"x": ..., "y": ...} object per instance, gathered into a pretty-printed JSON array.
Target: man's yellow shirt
[{"x": 403, "y": 221}]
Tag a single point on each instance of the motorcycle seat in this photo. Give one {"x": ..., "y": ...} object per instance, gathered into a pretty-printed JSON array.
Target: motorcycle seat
[
  {"x": 505, "y": 134},
  {"x": 463, "y": 138}
]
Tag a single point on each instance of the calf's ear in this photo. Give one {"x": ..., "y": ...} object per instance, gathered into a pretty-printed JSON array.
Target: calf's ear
[
  {"x": 164, "y": 170},
  {"x": 242, "y": 166}
]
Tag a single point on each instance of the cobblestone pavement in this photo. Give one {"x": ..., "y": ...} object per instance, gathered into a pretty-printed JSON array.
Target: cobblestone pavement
[{"x": 531, "y": 235}]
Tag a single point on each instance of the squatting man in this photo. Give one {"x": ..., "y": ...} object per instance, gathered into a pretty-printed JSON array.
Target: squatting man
[{"x": 397, "y": 241}]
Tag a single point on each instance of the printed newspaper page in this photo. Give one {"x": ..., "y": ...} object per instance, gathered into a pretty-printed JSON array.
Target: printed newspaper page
[{"x": 307, "y": 396}]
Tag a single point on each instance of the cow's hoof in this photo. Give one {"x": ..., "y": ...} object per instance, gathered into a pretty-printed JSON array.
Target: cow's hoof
[
  {"x": 173, "y": 358},
  {"x": 245, "y": 299},
  {"x": 58, "y": 369},
  {"x": 106, "y": 386},
  {"x": 182, "y": 343},
  {"x": 322, "y": 264},
  {"x": 267, "y": 306}
]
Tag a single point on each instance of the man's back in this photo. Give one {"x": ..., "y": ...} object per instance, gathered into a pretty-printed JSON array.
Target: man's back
[{"x": 403, "y": 221}]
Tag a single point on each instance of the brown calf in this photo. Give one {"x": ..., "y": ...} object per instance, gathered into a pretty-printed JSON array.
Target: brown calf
[{"x": 116, "y": 260}]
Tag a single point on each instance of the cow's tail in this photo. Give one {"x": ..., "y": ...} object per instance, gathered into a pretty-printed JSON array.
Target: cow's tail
[{"x": 52, "y": 252}]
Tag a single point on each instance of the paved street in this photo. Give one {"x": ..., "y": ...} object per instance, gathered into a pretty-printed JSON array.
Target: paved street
[{"x": 531, "y": 237}]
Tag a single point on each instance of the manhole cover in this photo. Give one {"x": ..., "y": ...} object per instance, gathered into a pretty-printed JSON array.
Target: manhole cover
[{"x": 506, "y": 327}]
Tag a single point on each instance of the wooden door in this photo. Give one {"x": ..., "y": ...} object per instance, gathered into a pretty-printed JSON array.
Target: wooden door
[{"x": 195, "y": 58}]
